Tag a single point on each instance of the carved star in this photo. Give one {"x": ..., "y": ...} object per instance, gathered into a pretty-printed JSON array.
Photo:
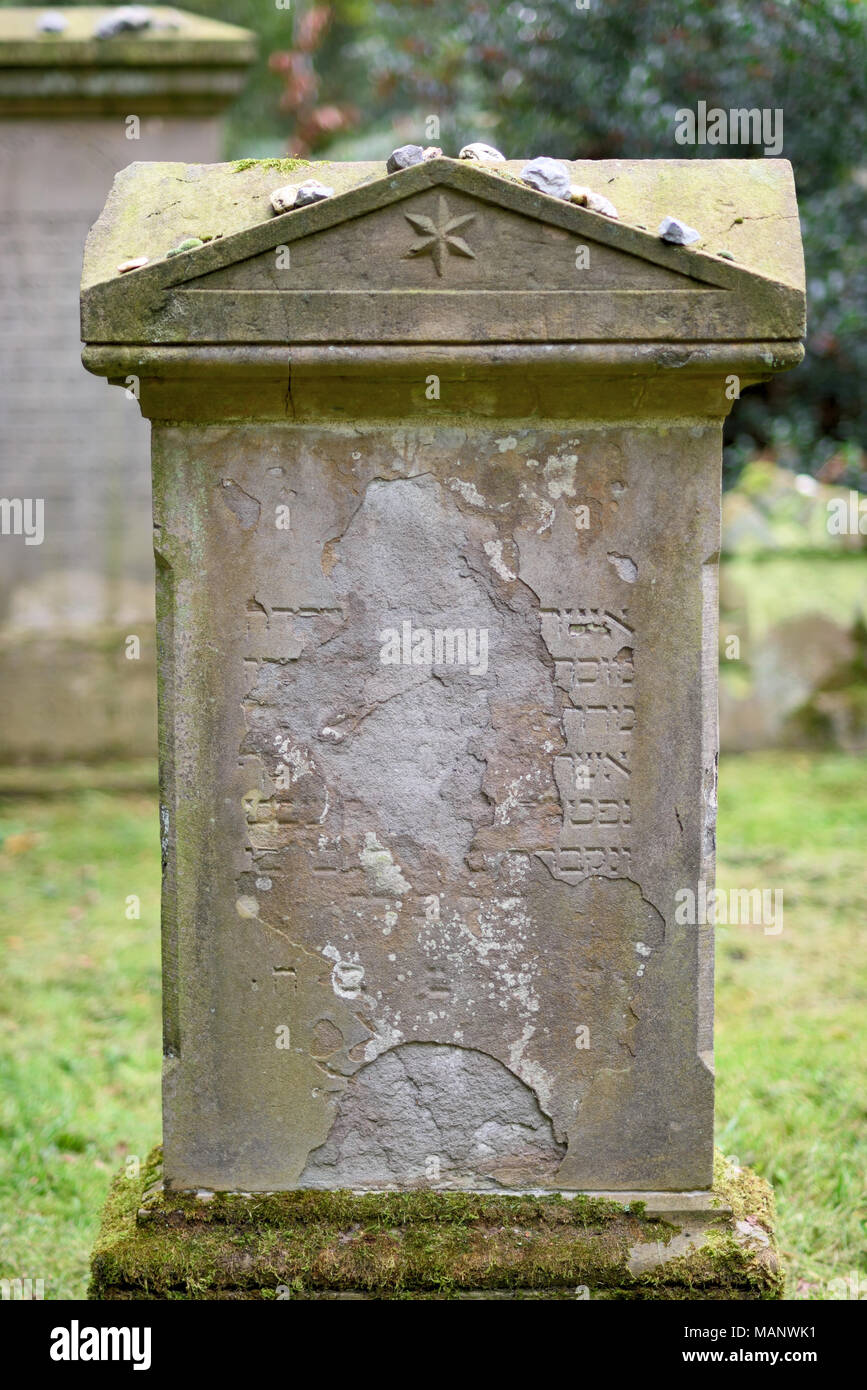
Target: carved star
[{"x": 438, "y": 240}]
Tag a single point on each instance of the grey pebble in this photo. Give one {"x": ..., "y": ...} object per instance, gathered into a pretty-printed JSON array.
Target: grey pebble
[
  {"x": 126, "y": 19},
  {"x": 548, "y": 176},
  {"x": 298, "y": 195},
  {"x": 678, "y": 233},
  {"x": 403, "y": 158},
  {"x": 52, "y": 22}
]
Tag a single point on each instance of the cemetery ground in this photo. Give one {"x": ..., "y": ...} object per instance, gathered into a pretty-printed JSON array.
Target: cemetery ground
[{"x": 79, "y": 1012}]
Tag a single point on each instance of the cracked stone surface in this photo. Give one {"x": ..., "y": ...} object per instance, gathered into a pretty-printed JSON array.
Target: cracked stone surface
[
  {"x": 423, "y": 1114},
  {"x": 474, "y": 858}
]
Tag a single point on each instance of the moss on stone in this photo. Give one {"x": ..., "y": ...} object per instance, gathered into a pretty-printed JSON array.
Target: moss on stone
[
  {"x": 285, "y": 166},
  {"x": 421, "y": 1244},
  {"x": 726, "y": 1262},
  {"x": 189, "y": 243},
  {"x": 729, "y": 1256},
  {"x": 745, "y": 1192}
]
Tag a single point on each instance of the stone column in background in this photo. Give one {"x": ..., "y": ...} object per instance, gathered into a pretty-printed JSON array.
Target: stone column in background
[
  {"x": 437, "y": 490},
  {"x": 75, "y": 108}
]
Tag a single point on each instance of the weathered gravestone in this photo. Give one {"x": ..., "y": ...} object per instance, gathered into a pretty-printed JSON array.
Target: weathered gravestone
[
  {"x": 436, "y": 496},
  {"x": 75, "y": 108}
]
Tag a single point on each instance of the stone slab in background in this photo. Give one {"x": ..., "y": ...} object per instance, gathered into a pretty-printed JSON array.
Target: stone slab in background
[
  {"x": 65, "y": 100},
  {"x": 75, "y": 696},
  {"x": 181, "y": 63},
  {"x": 61, "y": 779},
  {"x": 434, "y": 1245}
]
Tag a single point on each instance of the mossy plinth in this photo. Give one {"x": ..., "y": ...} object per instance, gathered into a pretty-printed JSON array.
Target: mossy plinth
[{"x": 434, "y": 1244}]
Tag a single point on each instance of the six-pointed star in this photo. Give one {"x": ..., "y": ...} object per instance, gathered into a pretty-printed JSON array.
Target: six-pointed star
[{"x": 437, "y": 240}]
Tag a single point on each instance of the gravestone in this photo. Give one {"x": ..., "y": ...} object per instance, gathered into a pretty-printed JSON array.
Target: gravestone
[
  {"x": 436, "y": 502},
  {"x": 75, "y": 108}
]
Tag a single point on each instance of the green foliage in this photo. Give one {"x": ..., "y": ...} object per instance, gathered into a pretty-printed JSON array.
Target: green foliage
[
  {"x": 292, "y": 102},
  {"x": 544, "y": 77},
  {"x": 606, "y": 82}
]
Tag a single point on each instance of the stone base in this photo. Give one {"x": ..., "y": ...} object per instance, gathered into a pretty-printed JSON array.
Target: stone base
[{"x": 430, "y": 1244}]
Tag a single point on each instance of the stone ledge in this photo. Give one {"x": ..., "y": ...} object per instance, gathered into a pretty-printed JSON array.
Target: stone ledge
[
  {"x": 174, "y": 37},
  {"x": 436, "y": 1245},
  {"x": 502, "y": 381},
  {"x": 105, "y": 91},
  {"x": 185, "y": 64}
]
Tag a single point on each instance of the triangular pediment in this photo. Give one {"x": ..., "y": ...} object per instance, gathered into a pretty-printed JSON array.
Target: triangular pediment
[{"x": 442, "y": 252}]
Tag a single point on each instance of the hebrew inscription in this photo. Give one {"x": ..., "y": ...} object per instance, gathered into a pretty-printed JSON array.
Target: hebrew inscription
[{"x": 594, "y": 662}]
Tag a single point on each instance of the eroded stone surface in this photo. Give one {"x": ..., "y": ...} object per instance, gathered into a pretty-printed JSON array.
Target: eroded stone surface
[
  {"x": 427, "y": 1114},
  {"x": 483, "y": 855}
]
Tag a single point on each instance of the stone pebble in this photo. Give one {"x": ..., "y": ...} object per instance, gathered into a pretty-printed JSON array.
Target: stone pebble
[
  {"x": 671, "y": 229},
  {"x": 486, "y": 154},
  {"x": 594, "y": 202},
  {"x": 299, "y": 195},
  {"x": 403, "y": 158},
  {"x": 548, "y": 176},
  {"x": 52, "y": 22},
  {"x": 126, "y": 19}
]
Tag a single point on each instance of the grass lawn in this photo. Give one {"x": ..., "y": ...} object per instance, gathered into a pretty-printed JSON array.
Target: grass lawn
[
  {"x": 791, "y": 1008},
  {"x": 79, "y": 1021},
  {"x": 79, "y": 1013}
]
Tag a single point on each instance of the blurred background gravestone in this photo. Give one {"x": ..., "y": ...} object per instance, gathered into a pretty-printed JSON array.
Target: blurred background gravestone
[
  {"x": 793, "y": 595},
  {"x": 81, "y": 96}
]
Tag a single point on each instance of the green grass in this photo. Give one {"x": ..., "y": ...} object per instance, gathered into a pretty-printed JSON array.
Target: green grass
[
  {"x": 79, "y": 1013},
  {"x": 79, "y": 1022},
  {"x": 791, "y": 1098}
]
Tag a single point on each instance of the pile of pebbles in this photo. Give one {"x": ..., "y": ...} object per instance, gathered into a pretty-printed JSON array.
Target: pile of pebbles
[
  {"x": 548, "y": 176},
  {"x": 544, "y": 175}
]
